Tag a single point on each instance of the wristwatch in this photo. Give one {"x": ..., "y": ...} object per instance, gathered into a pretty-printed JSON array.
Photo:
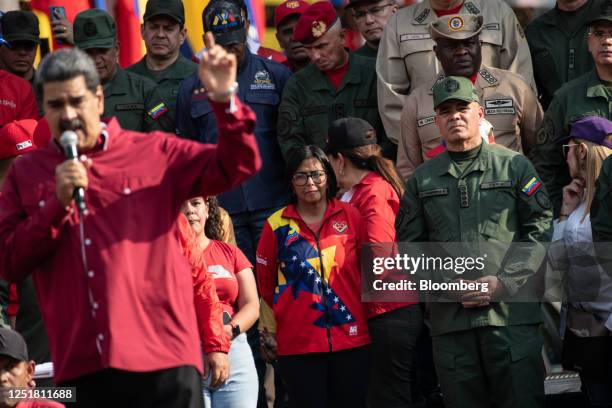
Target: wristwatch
[{"x": 235, "y": 330}]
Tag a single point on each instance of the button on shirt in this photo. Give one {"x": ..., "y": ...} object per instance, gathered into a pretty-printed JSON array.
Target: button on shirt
[{"x": 132, "y": 308}]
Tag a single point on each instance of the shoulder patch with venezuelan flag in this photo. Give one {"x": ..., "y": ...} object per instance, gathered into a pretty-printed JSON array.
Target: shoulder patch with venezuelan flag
[
  {"x": 158, "y": 110},
  {"x": 531, "y": 186}
]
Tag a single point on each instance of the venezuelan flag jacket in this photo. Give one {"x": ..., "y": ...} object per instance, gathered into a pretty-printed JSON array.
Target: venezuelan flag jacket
[{"x": 313, "y": 282}]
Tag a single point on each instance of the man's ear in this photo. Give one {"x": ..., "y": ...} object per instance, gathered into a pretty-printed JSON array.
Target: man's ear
[
  {"x": 342, "y": 35},
  {"x": 99, "y": 94},
  {"x": 31, "y": 368},
  {"x": 142, "y": 30}
]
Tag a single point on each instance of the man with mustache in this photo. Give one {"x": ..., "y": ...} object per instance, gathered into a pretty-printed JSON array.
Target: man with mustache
[
  {"x": 587, "y": 95},
  {"x": 406, "y": 58},
  {"x": 119, "y": 302},
  {"x": 129, "y": 97},
  {"x": 335, "y": 85},
  {"x": 510, "y": 104},
  {"x": 486, "y": 344},
  {"x": 286, "y": 16},
  {"x": 163, "y": 32},
  {"x": 371, "y": 16}
]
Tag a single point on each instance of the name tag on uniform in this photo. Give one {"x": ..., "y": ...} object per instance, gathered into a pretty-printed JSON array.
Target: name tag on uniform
[
  {"x": 129, "y": 106},
  {"x": 415, "y": 36},
  {"x": 495, "y": 184},
  {"x": 491, "y": 26},
  {"x": 426, "y": 121},
  {"x": 433, "y": 193},
  {"x": 499, "y": 107}
]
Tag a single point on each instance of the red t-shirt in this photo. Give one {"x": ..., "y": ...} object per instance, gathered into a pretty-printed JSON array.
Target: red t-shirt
[
  {"x": 335, "y": 76},
  {"x": 454, "y": 10},
  {"x": 224, "y": 261},
  {"x": 39, "y": 404}
]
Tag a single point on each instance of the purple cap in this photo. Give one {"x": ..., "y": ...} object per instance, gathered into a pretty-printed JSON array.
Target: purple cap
[{"x": 593, "y": 129}]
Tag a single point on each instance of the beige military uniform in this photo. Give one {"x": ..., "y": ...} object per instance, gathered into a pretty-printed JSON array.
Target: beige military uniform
[
  {"x": 510, "y": 106},
  {"x": 406, "y": 58}
]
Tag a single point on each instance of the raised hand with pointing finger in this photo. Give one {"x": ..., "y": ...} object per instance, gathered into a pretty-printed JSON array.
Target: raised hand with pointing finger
[{"x": 217, "y": 71}]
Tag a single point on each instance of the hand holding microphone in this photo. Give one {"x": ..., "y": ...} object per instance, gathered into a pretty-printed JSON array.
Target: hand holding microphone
[{"x": 71, "y": 176}]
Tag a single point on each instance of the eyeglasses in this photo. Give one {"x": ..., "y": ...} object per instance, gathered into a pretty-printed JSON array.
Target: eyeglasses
[
  {"x": 600, "y": 35},
  {"x": 317, "y": 176},
  {"x": 567, "y": 147},
  {"x": 376, "y": 11}
]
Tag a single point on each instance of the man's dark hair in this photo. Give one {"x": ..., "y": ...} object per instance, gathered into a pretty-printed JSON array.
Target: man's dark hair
[
  {"x": 300, "y": 154},
  {"x": 66, "y": 64},
  {"x": 240, "y": 3}
]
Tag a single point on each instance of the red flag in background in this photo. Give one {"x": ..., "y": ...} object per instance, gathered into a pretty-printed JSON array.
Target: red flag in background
[
  {"x": 73, "y": 7},
  {"x": 127, "y": 19}
]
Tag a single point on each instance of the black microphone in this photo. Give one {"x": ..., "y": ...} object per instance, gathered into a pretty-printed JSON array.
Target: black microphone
[{"x": 69, "y": 140}]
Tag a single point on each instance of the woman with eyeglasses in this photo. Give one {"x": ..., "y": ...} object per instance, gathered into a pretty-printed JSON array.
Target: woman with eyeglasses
[
  {"x": 372, "y": 184},
  {"x": 308, "y": 273},
  {"x": 586, "y": 314},
  {"x": 237, "y": 293}
]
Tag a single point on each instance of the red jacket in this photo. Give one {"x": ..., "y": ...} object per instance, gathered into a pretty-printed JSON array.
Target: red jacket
[
  {"x": 378, "y": 204},
  {"x": 313, "y": 284}
]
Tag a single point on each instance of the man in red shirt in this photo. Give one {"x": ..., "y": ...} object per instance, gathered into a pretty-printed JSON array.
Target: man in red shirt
[
  {"x": 115, "y": 292},
  {"x": 16, "y": 99}
]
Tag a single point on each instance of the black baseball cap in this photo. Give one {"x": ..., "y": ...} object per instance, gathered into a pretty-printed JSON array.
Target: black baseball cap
[
  {"x": 20, "y": 25},
  {"x": 603, "y": 14},
  {"x": 171, "y": 8},
  {"x": 13, "y": 345},
  {"x": 346, "y": 133},
  {"x": 226, "y": 21}
]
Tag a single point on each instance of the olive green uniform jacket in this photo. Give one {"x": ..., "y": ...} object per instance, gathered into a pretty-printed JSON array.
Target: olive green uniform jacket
[
  {"x": 487, "y": 204},
  {"x": 136, "y": 104},
  {"x": 310, "y": 103}
]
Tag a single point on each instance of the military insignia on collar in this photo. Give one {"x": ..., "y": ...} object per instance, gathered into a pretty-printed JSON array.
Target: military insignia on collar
[
  {"x": 421, "y": 17},
  {"x": 318, "y": 28},
  {"x": 90, "y": 29},
  {"x": 451, "y": 85},
  {"x": 471, "y": 8},
  {"x": 339, "y": 226},
  {"x": 292, "y": 4},
  {"x": 456, "y": 23}
]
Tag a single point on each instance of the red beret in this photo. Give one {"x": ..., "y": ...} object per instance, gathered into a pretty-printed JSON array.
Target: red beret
[
  {"x": 287, "y": 8},
  {"x": 316, "y": 20},
  {"x": 16, "y": 138}
]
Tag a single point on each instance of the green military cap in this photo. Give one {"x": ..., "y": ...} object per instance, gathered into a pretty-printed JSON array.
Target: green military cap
[
  {"x": 171, "y": 8},
  {"x": 20, "y": 25},
  {"x": 94, "y": 28},
  {"x": 456, "y": 26},
  {"x": 454, "y": 87}
]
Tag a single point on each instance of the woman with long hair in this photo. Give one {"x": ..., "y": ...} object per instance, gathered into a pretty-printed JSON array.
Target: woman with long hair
[
  {"x": 586, "y": 314},
  {"x": 308, "y": 274},
  {"x": 237, "y": 293},
  {"x": 371, "y": 183}
]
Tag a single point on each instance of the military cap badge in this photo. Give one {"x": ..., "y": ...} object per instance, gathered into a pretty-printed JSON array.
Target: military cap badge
[
  {"x": 451, "y": 85},
  {"x": 456, "y": 23},
  {"x": 318, "y": 28}
]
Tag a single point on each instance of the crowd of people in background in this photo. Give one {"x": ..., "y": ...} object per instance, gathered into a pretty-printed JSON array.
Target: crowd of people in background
[{"x": 267, "y": 174}]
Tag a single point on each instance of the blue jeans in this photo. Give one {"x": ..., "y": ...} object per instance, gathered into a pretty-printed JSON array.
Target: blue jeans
[{"x": 240, "y": 390}]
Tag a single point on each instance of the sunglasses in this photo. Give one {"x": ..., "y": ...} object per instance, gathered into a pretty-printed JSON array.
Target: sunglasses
[{"x": 566, "y": 148}]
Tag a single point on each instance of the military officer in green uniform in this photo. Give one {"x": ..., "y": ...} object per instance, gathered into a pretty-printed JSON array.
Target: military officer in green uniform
[
  {"x": 558, "y": 44},
  {"x": 587, "y": 95},
  {"x": 334, "y": 85},
  {"x": 485, "y": 349},
  {"x": 163, "y": 33},
  {"x": 131, "y": 98}
]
